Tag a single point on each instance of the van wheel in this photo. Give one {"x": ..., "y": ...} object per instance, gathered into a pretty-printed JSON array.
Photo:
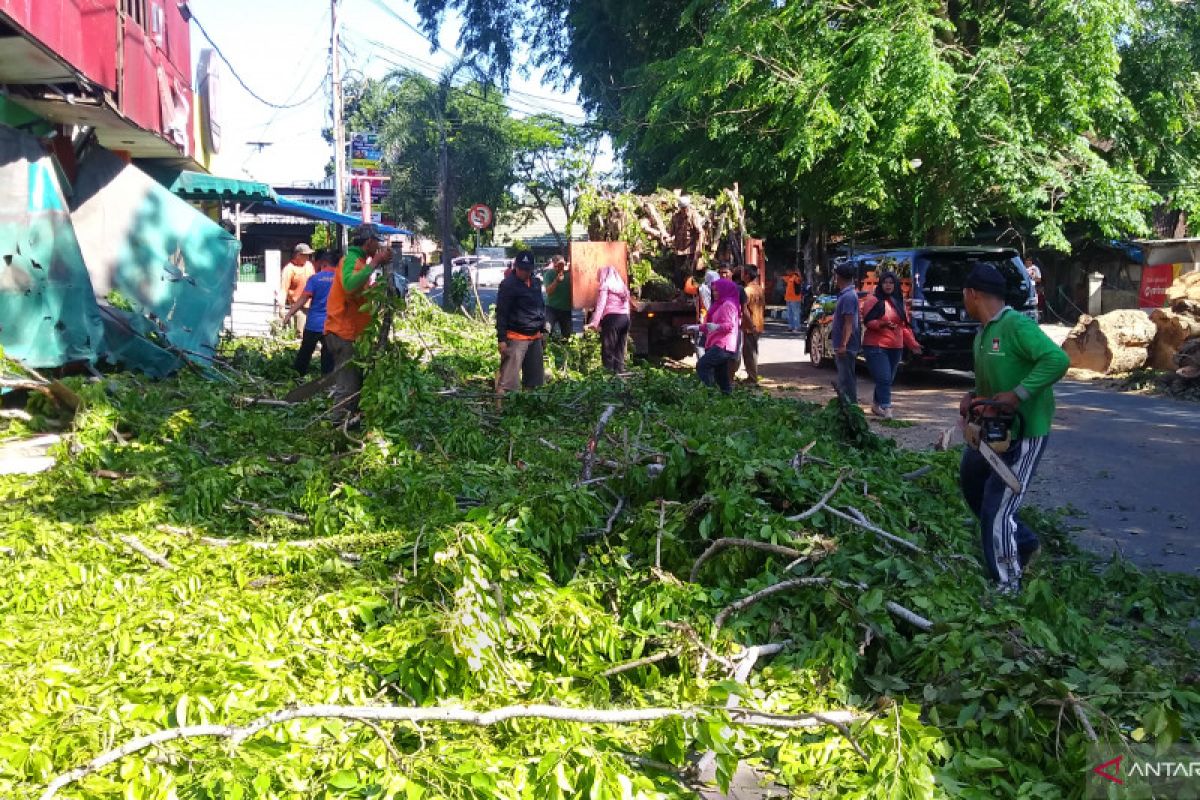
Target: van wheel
[{"x": 816, "y": 348}]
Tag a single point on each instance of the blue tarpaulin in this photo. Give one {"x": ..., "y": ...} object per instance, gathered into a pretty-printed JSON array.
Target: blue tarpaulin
[{"x": 297, "y": 209}]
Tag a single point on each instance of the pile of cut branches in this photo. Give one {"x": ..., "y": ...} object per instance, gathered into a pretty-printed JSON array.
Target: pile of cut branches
[{"x": 611, "y": 588}]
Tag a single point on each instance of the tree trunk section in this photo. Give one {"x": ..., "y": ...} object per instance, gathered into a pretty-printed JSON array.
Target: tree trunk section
[
  {"x": 1111, "y": 343},
  {"x": 1173, "y": 330}
]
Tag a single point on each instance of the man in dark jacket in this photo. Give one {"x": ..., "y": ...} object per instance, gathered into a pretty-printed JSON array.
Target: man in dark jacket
[{"x": 520, "y": 326}]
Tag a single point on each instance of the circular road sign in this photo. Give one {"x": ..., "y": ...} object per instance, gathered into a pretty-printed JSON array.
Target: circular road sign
[{"x": 480, "y": 216}]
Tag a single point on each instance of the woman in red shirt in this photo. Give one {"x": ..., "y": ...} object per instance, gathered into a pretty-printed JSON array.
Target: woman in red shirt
[{"x": 886, "y": 334}]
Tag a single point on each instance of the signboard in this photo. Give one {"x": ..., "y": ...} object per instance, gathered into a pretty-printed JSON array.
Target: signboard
[
  {"x": 365, "y": 159},
  {"x": 1156, "y": 279},
  {"x": 586, "y": 260},
  {"x": 209, "y": 80},
  {"x": 480, "y": 216}
]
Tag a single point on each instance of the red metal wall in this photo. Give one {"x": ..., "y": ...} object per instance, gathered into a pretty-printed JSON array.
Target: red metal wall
[
  {"x": 84, "y": 34},
  {"x": 81, "y": 32}
]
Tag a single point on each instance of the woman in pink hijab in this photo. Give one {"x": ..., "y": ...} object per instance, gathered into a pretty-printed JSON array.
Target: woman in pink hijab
[
  {"x": 721, "y": 328},
  {"x": 611, "y": 318}
]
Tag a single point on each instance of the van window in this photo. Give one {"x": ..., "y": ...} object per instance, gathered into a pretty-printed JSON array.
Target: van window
[{"x": 944, "y": 273}]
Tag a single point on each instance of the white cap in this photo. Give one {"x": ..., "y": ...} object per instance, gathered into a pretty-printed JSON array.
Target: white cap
[{"x": 685, "y": 200}]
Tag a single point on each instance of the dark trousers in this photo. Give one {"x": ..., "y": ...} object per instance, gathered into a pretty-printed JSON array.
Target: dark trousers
[
  {"x": 308, "y": 344},
  {"x": 614, "y": 336},
  {"x": 882, "y": 362},
  {"x": 521, "y": 361},
  {"x": 713, "y": 367},
  {"x": 348, "y": 383},
  {"x": 1006, "y": 540},
  {"x": 560, "y": 318},
  {"x": 750, "y": 355},
  {"x": 847, "y": 382}
]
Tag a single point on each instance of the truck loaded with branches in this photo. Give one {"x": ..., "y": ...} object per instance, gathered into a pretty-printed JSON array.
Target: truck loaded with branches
[{"x": 657, "y": 272}]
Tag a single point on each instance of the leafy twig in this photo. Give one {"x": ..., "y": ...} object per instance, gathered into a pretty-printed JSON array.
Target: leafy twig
[{"x": 821, "y": 504}]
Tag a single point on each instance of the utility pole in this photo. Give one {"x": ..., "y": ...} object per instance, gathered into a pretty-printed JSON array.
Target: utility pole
[
  {"x": 444, "y": 189},
  {"x": 339, "y": 131}
]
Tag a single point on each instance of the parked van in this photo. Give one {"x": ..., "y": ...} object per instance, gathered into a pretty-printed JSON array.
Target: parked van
[{"x": 932, "y": 280}]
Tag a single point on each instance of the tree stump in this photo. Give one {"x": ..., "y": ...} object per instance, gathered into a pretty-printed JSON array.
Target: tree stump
[
  {"x": 1111, "y": 343},
  {"x": 1173, "y": 330}
]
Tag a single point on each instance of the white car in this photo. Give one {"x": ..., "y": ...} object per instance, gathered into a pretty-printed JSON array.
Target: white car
[{"x": 484, "y": 272}]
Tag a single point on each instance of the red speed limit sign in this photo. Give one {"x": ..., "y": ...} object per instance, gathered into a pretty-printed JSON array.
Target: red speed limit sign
[{"x": 480, "y": 216}]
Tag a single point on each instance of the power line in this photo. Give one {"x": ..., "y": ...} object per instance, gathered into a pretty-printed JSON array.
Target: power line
[{"x": 188, "y": 14}]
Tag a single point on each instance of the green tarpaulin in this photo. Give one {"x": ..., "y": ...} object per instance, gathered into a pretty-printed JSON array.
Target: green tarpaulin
[{"x": 48, "y": 312}]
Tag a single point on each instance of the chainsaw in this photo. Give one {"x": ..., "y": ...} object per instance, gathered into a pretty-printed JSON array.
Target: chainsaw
[{"x": 989, "y": 429}]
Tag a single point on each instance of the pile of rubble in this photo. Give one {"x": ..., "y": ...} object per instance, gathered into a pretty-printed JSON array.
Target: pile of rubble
[{"x": 1168, "y": 340}]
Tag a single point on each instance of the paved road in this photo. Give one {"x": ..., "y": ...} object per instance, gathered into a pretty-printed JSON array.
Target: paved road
[{"x": 1126, "y": 465}]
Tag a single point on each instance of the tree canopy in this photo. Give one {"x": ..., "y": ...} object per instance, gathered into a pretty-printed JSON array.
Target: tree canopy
[{"x": 918, "y": 119}]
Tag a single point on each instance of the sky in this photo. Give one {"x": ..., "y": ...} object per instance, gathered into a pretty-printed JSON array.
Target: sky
[{"x": 280, "y": 48}]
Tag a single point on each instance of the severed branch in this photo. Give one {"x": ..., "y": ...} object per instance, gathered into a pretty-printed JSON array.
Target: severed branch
[
  {"x": 274, "y": 511},
  {"x": 641, "y": 662},
  {"x": 749, "y": 544},
  {"x": 1081, "y": 715},
  {"x": 858, "y": 518},
  {"x": 239, "y": 734},
  {"x": 136, "y": 545},
  {"x": 709, "y": 654},
  {"x": 258, "y": 544},
  {"x": 917, "y": 473},
  {"x": 589, "y": 452},
  {"x": 762, "y": 594},
  {"x": 821, "y": 504}
]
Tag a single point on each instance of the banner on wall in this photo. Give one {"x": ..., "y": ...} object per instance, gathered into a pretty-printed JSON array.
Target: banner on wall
[{"x": 1156, "y": 279}]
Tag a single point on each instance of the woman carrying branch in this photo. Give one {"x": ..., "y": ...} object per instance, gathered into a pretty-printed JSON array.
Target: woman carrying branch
[
  {"x": 886, "y": 334},
  {"x": 721, "y": 328},
  {"x": 611, "y": 319}
]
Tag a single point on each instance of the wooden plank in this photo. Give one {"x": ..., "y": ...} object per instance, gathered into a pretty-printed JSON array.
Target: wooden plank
[{"x": 586, "y": 260}]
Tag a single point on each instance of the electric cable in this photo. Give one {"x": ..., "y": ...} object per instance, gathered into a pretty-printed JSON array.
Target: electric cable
[{"x": 188, "y": 14}]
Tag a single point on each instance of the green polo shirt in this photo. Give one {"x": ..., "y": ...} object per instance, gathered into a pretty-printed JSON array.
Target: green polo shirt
[
  {"x": 1012, "y": 354},
  {"x": 560, "y": 298}
]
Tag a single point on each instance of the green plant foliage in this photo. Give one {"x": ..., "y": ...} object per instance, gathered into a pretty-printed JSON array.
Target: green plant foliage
[{"x": 452, "y": 557}]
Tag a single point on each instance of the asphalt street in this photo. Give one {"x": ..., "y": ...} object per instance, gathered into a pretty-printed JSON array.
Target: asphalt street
[{"x": 1123, "y": 466}]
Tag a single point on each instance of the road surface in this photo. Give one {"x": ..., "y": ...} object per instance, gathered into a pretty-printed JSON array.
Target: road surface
[{"x": 1124, "y": 466}]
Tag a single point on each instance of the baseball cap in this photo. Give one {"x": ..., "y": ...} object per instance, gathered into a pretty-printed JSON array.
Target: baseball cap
[
  {"x": 524, "y": 260},
  {"x": 368, "y": 230},
  {"x": 303, "y": 249},
  {"x": 987, "y": 279}
]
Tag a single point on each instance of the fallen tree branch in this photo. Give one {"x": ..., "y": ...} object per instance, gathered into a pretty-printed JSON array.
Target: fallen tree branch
[
  {"x": 749, "y": 544},
  {"x": 821, "y": 504},
  {"x": 708, "y": 653},
  {"x": 909, "y": 616},
  {"x": 241, "y": 400},
  {"x": 1081, "y": 715},
  {"x": 136, "y": 545},
  {"x": 589, "y": 452},
  {"x": 917, "y": 473},
  {"x": 274, "y": 511},
  {"x": 762, "y": 594},
  {"x": 641, "y": 662},
  {"x": 259, "y": 544},
  {"x": 859, "y": 519},
  {"x": 239, "y": 734}
]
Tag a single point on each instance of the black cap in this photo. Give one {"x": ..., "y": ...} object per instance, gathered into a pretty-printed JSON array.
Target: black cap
[
  {"x": 366, "y": 231},
  {"x": 524, "y": 260},
  {"x": 987, "y": 279},
  {"x": 846, "y": 270}
]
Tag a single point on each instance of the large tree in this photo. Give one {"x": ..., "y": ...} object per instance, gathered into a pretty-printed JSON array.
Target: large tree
[
  {"x": 918, "y": 118},
  {"x": 407, "y": 111},
  {"x": 553, "y": 162}
]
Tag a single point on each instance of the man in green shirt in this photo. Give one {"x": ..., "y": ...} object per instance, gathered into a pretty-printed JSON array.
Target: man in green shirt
[
  {"x": 558, "y": 296},
  {"x": 1016, "y": 366}
]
